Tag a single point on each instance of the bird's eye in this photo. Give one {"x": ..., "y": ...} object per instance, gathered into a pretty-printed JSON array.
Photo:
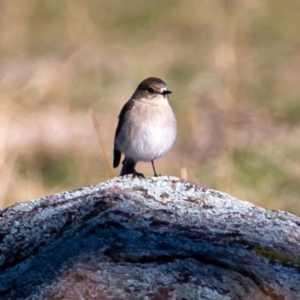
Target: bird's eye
[{"x": 150, "y": 90}]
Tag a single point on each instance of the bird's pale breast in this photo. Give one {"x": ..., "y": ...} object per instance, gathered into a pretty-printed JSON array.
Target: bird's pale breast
[{"x": 149, "y": 131}]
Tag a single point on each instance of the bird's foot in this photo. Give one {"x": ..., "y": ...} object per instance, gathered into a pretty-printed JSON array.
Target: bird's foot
[
  {"x": 156, "y": 175},
  {"x": 137, "y": 174}
]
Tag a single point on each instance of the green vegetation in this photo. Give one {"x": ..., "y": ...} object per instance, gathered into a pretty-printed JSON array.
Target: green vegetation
[{"x": 277, "y": 255}]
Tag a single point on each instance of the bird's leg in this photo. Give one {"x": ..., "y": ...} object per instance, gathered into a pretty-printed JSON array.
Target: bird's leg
[
  {"x": 155, "y": 174},
  {"x": 129, "y": 168}
]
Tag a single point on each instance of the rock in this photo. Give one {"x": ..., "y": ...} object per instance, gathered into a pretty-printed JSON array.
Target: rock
[{"x": 154, "y": 238}]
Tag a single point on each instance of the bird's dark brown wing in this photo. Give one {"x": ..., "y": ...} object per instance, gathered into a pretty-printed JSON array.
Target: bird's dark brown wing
[
  {"x": 127, "y": 107},
  {"x": 117, "y": 157}
]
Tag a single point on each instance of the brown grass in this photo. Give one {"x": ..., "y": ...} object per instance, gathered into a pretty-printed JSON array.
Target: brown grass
[{"x": 233, "y": 67}]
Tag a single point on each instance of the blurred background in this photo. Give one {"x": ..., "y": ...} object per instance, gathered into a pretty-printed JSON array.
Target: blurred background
[{"x": 233, "y": 67}]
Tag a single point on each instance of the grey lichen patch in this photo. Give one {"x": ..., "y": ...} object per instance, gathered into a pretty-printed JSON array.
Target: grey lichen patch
[{"x": 149, "y": 237}]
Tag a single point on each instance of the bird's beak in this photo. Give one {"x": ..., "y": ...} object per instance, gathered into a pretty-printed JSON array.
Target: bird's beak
[{"x": 166, "y": 92}]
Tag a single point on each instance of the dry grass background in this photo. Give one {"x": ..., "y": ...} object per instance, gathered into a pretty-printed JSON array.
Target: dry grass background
[{"x": 233, "y": 67}]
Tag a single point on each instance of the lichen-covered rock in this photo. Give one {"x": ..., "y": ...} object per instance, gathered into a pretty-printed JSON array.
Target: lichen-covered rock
[{"x": 154, "y": 238}]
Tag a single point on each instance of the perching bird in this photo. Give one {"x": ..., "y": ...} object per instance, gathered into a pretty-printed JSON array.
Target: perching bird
[{"x": 147, "y": 126}]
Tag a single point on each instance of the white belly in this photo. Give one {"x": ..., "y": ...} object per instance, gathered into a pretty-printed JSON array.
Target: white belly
[
  {"x": 149, "y": 137},
  {"x": 151, "y": 142}
]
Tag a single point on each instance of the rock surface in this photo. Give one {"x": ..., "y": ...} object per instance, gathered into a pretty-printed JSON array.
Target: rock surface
[{"x": 154, "y": 238}]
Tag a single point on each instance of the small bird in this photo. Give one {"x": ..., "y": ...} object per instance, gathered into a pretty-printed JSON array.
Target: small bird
[{"x": 147, "y": 126}]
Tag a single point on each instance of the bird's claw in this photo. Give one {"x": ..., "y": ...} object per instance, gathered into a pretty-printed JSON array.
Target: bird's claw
[{"x": 137, "y": 174}]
